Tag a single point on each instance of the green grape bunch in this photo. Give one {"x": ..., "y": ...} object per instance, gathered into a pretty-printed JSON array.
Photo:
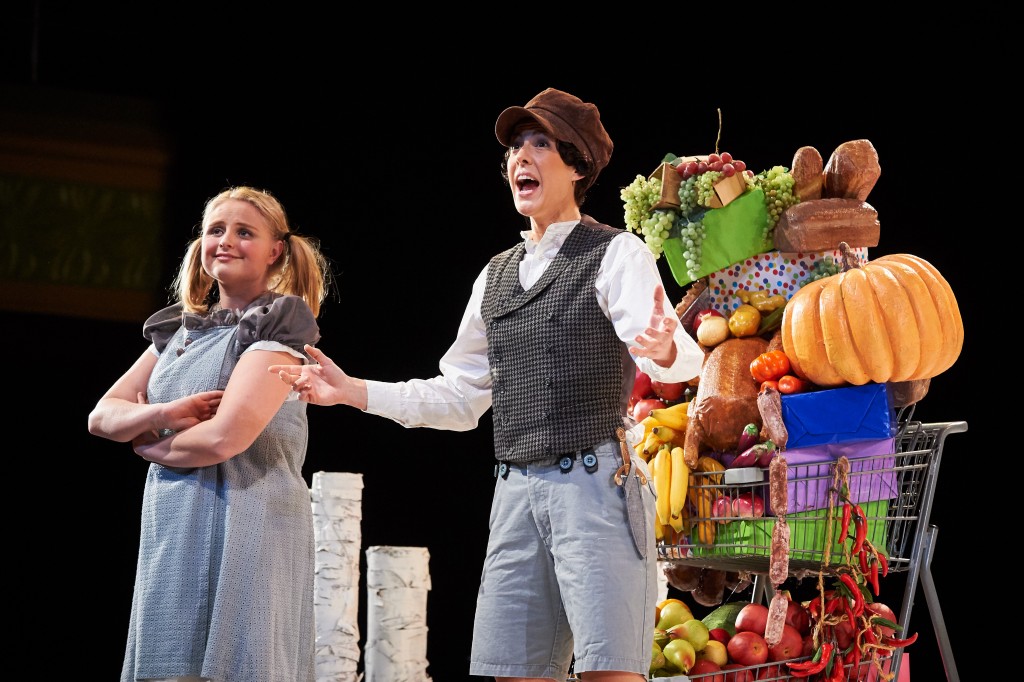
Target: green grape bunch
[
  {"x": 640, "y": 216},
  {"x": 638, "y": 199},
  {"x": 688, "y": 195},
  {"x": 656, "y": 228},
  {"x": 692, "y": 235},
  {"x": 777, "y": 184},
  {"x": 825, "y": 267}
]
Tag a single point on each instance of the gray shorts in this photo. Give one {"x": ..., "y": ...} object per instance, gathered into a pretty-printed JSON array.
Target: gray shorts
[{"x": 562, "y": 576}]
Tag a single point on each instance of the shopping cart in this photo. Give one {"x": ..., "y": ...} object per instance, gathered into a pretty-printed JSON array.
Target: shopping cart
[{"x": 893, "y": 483}]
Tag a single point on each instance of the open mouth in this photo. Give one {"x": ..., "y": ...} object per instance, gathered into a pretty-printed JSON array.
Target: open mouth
[{"x": 525, "y": 183}]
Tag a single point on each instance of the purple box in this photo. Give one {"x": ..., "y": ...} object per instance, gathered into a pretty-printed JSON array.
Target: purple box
[{"x": 872, "y": 474}]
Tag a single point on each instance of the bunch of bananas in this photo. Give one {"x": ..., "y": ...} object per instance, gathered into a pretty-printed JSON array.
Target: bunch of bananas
[
  {"x": 684, "y": 497},
  {"x": 662, "y": 427},
  {"x": 704, "y": 488},
  {"x": 671, "y": 480}
]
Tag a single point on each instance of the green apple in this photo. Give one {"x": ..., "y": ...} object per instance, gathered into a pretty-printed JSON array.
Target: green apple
[
  {"x": 680, "y": 654},
  {"x": 693, "y": 631}
]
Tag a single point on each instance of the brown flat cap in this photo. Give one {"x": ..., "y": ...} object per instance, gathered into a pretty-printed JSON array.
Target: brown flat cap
[{"x": 565, "y": 117}]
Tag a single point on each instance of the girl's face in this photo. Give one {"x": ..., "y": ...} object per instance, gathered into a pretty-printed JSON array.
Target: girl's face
[
  {"x": 541, "y": 183},
  {"x": 239, "y": 248}
]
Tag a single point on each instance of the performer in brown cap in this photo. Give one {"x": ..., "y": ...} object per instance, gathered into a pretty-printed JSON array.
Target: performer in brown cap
[{"x": 550, "y": 341}]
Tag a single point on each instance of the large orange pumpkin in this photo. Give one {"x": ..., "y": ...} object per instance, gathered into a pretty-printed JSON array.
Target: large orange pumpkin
[{"x": 893, "y": 319}]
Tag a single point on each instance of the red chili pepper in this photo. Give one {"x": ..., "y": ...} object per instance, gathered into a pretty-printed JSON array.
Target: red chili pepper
[
  {"x": 891, "y": 641},
  {"x": 858, "y": 597},
  {"x": 815, "y": 665},
  {"x": 848, "y": 610},
  {"x": 860, "y": 523},
  {"x": 838, "y": 673},
  {"x": 832, "y": 605},
  {"x": 870, "y": 637},
  {"x": 814, "y": 608},
  {"x": 863, "y": 560},
  {"x": 873, "y": 578},
  {"x": 883, "y": 562},
  {"x": 844, "y": 529}
]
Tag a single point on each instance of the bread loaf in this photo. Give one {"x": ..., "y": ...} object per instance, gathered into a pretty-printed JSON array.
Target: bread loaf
[
  {"x": 905, "y": 393},
  {"x": 851, "y": 171},
  {"x": 821, "y": 224},
  {"x": 808, "y": 167}
]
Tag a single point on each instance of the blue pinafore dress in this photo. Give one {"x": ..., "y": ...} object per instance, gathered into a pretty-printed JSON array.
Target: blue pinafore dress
[{"x": 224, "y": 582}]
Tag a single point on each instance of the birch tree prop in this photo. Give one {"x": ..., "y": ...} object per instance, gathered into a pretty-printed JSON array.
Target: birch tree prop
[
  {"x": 337, "y": 513},
  {"x": 397, "y": 582}
]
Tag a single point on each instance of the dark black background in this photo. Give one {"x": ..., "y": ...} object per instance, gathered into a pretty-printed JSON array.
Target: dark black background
[{"x": 380, "y": 142}]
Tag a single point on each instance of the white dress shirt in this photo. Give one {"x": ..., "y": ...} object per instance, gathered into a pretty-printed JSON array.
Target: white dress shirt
[{"x": 457, "y": 398}]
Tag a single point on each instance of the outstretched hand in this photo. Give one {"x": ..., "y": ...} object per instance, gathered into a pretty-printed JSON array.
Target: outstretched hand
[
  {"x": 657, "y": 342},
  {"x": 321, "y": 384}
]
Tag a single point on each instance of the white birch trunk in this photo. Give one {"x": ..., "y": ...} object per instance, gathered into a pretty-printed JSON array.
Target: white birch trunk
[
  {"x": 337, "y": 513},
  {"x": 397, "y": 582}
]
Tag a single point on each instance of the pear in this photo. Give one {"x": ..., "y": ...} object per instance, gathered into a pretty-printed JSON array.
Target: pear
[
  {"x": 657, "y": 659},
  {"x": 680, "y": 654},
  {"x": 693, "y": 631}
]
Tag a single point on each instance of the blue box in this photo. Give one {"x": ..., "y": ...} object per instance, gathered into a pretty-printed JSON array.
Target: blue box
[{"x": 839, "y": 415}]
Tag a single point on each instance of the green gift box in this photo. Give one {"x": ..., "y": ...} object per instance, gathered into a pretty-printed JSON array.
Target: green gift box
[
  {"x": 753, "y": 537},
  {"x": 732, "y": 233}
]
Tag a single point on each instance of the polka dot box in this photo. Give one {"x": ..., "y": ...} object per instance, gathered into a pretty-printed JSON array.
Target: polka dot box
[{"x": 775, "y": 271}]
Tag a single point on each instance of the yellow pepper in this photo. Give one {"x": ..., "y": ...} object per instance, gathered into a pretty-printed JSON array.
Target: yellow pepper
[
  {"x": 745, "y": 320},
  {"x": 770, "y": 303},
  {"x": 761, "y": 299}
]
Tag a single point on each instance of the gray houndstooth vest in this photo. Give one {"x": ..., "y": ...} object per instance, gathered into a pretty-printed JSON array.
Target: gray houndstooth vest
[{"x": 557, "y": 366}]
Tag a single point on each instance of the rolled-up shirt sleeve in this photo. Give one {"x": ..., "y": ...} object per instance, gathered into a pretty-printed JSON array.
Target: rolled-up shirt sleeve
[{"x": 625, "y": 288}]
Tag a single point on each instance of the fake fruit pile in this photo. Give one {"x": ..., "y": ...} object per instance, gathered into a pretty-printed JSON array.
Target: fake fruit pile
[
  {"x": 812, "y": 647},
  {"x": 696, "y": 185}
]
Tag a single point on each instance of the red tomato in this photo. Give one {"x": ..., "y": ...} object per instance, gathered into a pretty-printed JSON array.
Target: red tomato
[{"x": 792, "y": 384}]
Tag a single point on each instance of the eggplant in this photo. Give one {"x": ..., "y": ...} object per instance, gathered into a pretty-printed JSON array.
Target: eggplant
[
  {"x": 748, "y": 437},
  {"x": 753, "y": 455},
  {"x": 769, "y": 452}
]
